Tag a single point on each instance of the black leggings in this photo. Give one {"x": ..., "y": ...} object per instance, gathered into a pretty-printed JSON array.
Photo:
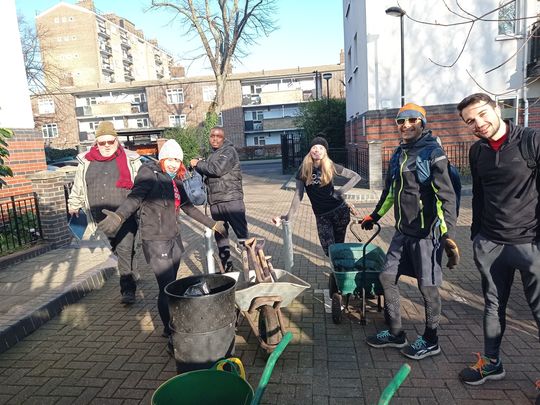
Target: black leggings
[{"x": 164, "y": 257}]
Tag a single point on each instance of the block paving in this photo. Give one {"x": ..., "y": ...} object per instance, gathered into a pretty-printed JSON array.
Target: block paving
[{"x": 96, "y": 351}]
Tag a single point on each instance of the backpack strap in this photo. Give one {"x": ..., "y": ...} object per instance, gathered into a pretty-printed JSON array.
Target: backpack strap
[{"x": 526, "y": 146}]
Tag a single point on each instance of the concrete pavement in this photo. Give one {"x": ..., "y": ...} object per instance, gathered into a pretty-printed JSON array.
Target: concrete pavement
[{"x": 97, "y": 351}]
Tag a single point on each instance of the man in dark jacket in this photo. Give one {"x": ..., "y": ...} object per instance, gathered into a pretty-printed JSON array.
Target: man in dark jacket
[
  {"x": 505, "y": 223},
  {"x": 425, "y": 216},
  {"x": 225, "y": 195}
]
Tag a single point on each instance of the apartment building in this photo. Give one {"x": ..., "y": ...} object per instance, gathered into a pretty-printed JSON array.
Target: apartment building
[
  {"x": 443, "y": 62},
  {"x": 83, "y": 47},
  {"x": 259, "y": 106}
]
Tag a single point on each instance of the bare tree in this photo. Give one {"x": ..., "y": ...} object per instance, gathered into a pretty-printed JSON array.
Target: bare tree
[
  {"x": 465, "y": 18},
  {"x": 226, "y": 28},
  {"x": 41, "y": 77}
]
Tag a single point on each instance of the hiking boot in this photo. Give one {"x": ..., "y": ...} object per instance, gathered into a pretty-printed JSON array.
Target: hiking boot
[
  {"x": 420, "y": 349},
  {"x": 128, "y": 297},
  {"x": 482, "y": 371},
  {"x": 386, "y": 339}
]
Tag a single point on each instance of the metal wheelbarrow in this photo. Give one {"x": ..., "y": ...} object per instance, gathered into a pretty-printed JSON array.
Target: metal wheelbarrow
[{"x": 263, "y": 290}]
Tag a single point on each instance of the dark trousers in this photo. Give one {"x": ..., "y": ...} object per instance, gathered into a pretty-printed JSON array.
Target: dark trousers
[
  {"x": 419, "y": 258},
  {"x": 233, "y": 213},
  {"x": 123, "y": 246},
  {"x": 332, "y": 226},
  {"x": 164, "y": 257},
  {"x": 497, "y": 264}
]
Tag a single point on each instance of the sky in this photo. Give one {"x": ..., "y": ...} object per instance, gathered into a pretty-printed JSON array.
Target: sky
[{"x": 309, "y": 33}]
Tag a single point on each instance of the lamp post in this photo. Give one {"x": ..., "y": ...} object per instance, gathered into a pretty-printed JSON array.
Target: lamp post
[
  {"x": 327, "y": 77},
  {"x": 399, "y": 12}
]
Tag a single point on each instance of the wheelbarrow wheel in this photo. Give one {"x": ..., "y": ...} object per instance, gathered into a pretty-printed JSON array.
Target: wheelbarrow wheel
[
  {"x": 337, "y": 301},
  {"x": 332, "y": 285},
  {"x": 269, "y": 328}
]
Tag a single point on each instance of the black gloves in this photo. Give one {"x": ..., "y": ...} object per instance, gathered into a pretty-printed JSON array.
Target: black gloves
[{"x": 367, "y": 223}]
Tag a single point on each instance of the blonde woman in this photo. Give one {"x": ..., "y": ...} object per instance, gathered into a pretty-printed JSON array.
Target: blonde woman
[{"x": 316, "y": 177}]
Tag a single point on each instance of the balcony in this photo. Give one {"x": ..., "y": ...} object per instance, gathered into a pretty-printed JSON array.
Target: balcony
[
  {"x": 127, "y": 59},
  {"x": 103, "y": 32},
  {"x": 159, "y": 74},
  {"x": 253, "y": 126},
  {"x": 105, "y": 49},
  {"x": 128, "y": 76},
  {"x": 106, "y": 67},
  {"x": 83, "y": 111},
  {"x": 157, "y": 59},
  {"x": 125, "y": 44},
  {"x": 251, "y": 99}
]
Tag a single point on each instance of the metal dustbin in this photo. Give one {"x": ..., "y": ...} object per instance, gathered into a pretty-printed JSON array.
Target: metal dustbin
[{"x": 203, "y": 326}]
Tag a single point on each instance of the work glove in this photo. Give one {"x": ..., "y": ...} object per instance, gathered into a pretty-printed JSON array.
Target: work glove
[
  {"x": 219, "y": 227},
  {"x": 367, "y": 223},
  {"x": 111, "y": 224},
  {"x": 452, "y": 251}
]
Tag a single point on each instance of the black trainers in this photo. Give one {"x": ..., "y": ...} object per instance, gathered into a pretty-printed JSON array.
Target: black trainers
[
  {"x": 386, "y": 339},
  {"x": 170, "y": 348},
  {"x": 128, "y": 297},
  {"x": 228, "y": 267},
  {"x": 421, "y": 349},
  {"x": 482, "y": 371}
]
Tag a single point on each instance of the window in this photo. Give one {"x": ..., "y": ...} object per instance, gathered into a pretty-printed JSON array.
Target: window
[
  {"x": 90, "y": 100},
  {"x": 220, "y": 119},
  {"x": 507, "y": 18},
  {"x": 142, "y": 123},
  {"x": 256, "y": 89},
  {"x": 139, "y": 98},
  {"x": 49, "y": 130},
  {"x": 177, "y": 121},
  {"x": 93, "y": 125},
  {"x": 175, "y": 96},
  {"x": 257, "y": 115},
  {"x": 259, "y": 141},
  {"x": 46, "y": 106},
  {"x": 209, "y": 93},
  {"x": 508, "y": 108}
]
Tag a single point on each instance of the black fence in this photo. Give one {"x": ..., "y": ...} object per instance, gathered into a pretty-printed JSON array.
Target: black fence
[
  {"x": 358, "y": 161},
  {"x": 20, "y": 224},
  {"x": 458, "y": 155}
]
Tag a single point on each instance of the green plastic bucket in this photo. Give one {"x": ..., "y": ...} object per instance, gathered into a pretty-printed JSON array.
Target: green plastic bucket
[{"x": 209, "y": 387}]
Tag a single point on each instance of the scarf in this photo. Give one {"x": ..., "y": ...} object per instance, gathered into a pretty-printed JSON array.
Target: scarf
[
  {"x": 124, "y": 180},
  {"x": 180, "y": 175}
]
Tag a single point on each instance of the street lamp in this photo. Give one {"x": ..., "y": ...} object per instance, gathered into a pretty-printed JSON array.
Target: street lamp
[
  {"x": 399, "y": 12},
  {"x": 327, "y": 77}
]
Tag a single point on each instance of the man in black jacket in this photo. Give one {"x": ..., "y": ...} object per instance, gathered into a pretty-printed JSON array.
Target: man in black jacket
[
  {"x": 425, "y": 214},
  {"x": 505, "y": 226},
  {"x": 225, "y": 193}
]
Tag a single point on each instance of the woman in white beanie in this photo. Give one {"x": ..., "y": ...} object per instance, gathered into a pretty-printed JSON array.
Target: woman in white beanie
[{"x": 159, "y": 194}]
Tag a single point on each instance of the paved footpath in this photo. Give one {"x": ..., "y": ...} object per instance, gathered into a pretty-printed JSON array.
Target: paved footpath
[{"x": 97, "y": 351}]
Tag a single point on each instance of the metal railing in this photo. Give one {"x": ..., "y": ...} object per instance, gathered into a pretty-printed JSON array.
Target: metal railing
[
  {"x": 457, "y": 153},
  {"x": 358, "y": 161},
  {"x": 20, "y": 224}
]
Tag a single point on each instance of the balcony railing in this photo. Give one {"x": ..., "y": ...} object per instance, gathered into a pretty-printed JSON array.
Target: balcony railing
[{"x": 83, "y": 111}]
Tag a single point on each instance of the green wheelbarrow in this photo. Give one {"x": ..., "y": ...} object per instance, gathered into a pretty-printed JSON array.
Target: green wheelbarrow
[{"x": 215, "y": 387}]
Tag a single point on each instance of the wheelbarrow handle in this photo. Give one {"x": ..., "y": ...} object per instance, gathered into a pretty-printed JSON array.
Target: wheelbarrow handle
[
  {"x": 267, "y": 372},
  {"x": 393, "y": 385},
  {"x": 357, "y": 222}
]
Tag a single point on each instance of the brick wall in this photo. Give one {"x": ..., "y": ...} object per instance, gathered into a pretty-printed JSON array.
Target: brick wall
[{"x": 27, "y": 156}]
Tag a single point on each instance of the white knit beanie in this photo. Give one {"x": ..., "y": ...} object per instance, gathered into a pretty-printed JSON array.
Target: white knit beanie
[{"x": 171, "y": 149}]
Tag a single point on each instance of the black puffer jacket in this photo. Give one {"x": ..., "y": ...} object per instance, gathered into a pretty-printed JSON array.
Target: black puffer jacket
[
  {"x": 506, "y": 206},
  {"x": 223, "y": 175},
  {"x": 153, "y": 192}
]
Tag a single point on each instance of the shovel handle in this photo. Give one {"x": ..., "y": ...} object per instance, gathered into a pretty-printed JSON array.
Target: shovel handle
[{"x": 267, "y": 372}]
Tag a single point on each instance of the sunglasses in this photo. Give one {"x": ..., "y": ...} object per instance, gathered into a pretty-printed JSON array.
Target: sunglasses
[
  {"x": 103, "y": 143},
  {"x": 412, "y": 121}
]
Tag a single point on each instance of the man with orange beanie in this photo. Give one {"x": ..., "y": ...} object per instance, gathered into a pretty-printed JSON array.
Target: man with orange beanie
[{"x": 425, "y": 214}]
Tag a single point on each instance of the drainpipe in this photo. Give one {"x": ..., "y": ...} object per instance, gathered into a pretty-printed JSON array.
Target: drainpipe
[{"x": 524, "y": 87}]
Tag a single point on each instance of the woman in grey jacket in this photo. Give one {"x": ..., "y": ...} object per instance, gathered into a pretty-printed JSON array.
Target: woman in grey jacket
[
  {"x": 315, "y": 176},
  {"x": 159, "y": 194}
]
